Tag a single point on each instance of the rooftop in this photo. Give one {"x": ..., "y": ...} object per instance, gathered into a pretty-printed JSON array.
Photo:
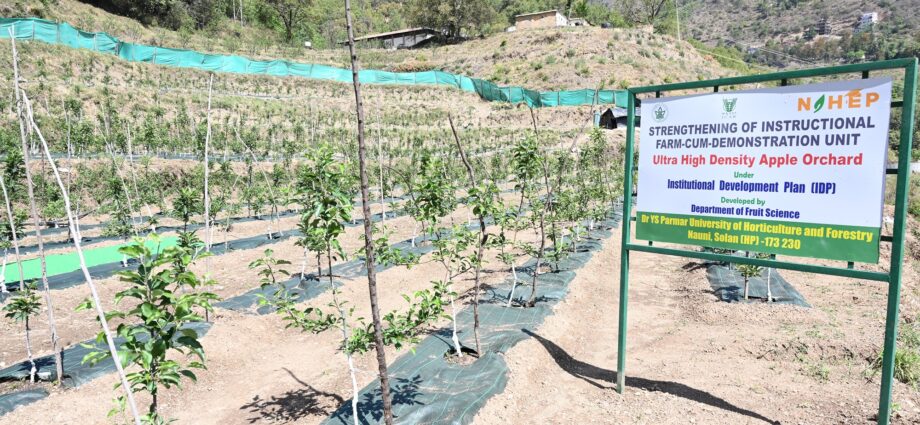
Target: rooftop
[
  {"x": 536, "y": 13},
  {"x": 397, "y": 32}
]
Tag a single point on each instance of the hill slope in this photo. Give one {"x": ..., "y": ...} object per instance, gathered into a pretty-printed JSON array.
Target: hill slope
[{"x": 791, "y": 26}]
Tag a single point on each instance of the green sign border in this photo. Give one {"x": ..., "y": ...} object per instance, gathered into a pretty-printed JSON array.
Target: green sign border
[{"x": 892, "y": 277}]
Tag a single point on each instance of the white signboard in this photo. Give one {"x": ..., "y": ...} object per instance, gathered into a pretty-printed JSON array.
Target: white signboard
[{"x": 797, "y": 170}]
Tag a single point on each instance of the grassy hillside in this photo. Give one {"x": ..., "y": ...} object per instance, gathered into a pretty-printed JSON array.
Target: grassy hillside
[
  {"x": 568, "y": 58},
  {"x": 565, "y": 58}
]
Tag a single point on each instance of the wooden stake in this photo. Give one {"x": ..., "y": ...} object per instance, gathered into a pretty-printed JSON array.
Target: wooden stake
[{"x": 368, "y": 234}]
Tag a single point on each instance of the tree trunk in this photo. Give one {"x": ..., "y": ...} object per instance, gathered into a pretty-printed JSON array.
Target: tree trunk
[
  {"x": 513, "y": 243},
  {"x": 124, "y": 187},
  {"x": 746, "y": 288},
  {"x": 769, "y": 291},
  {"x": 546, "y": 205},
  {"x": 482, "y": 238},
  {"x": 453, "y": 316},
  {"x": 344, "y": 327},
  {"x": 137, "y": 193},
  {"x": 32, "y": 369},
  {"x": 303, "y": 267},
  {"x": 532, "y": 301},
  {"x": 383, "y": 205},
  {"x": 368, "y": 234}
]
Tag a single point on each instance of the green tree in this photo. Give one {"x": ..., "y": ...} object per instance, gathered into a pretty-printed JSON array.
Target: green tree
[
  {"x": 291, "y": 13},
  {"x": 21, "y": 308},
  {"x": 388, "y": 255},
  {"x": 322, "y": 192},
  {"x": 457, "y": 19},
  {"x": 401, "y": 329},
  {"x": 644, "y": 11},
  {"x": 120, "y": 226},
  {"x": 7, "y": 240},
  {"x": 747, "y": 272},
  {"x": 186, "y": 205},
  {"x": 155, "y": 329},
  {"x": 451, "y": 251}
]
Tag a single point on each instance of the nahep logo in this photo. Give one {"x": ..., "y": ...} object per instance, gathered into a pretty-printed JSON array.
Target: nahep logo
[
  {"x": 854, "y": 99},
  {"x": 728, "y": 107},
  {"x": 661, "y": 112}
]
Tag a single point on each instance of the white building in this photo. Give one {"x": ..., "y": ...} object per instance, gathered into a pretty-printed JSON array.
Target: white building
[
  {"x": 866, "y": 21},
  {"x": 545, "y": 19}
]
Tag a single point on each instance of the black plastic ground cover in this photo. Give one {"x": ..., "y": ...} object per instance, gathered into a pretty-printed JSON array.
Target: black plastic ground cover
[
  {"x": 76, "y": 373},
  {"x": 141, "y": 220},
  {"x": 29, "y": 249},
  {"x": 33, "y": 248},
  {"x": 728, "y": 284},
  {"x": 311, "y": 287},
  {"x": 102, "y": 271},
  {"x": 429, "y": 389},
  {"x": 9, "y": 402}
]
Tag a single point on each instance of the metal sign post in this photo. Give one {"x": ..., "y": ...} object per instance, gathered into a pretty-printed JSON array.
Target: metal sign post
[{"x": 892, "y": 277}]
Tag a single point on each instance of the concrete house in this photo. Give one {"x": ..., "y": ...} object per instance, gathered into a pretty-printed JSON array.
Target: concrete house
[{"x": 545, "y": 19}]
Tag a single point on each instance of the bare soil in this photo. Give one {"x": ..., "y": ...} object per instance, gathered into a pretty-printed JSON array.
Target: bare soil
[
  {"x": 690, "y": 359},
  {"x": 693, "y": 359}
]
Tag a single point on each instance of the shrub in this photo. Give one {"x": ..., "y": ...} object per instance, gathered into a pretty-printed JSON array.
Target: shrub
[{"x": 906, "y": 357}]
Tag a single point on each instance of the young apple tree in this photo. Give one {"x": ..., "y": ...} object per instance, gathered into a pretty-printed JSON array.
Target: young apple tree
[
  {"x": 157, "y": 341},
  {"x": 21, "y": 308}
]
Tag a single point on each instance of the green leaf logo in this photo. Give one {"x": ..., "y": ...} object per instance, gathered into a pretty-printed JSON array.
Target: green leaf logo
[{"x": 819, "y": 104}]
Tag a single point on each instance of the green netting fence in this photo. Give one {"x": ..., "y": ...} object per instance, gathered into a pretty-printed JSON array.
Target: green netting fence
[{"x": 64, "y": 34}]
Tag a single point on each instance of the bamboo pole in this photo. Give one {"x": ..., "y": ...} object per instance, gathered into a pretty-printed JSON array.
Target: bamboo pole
[
  {"x": 207, "y": 199},
  {"x": 20, "y": 114},
  {"x": 113, "y": 350}
]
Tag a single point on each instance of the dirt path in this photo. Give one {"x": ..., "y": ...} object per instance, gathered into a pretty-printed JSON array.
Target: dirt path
[{"x": 692, "y": 359}]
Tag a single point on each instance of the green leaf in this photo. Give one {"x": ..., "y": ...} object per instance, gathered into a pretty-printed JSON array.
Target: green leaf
[{"x": 819, "y": 103}]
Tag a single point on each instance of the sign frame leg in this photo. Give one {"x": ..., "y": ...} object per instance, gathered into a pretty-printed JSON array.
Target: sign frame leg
[
  {"x": 624, "y": 241},
  {"x": 897, "y": 244}
]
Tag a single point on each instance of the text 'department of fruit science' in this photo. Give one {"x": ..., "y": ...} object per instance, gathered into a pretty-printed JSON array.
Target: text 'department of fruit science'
[{"x": 797, "y": 170}]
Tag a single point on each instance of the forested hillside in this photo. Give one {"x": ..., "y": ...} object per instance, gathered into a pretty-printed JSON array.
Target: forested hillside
[
  {"x": 292, "y": 22},
  {"x": 789, "y": 32}
]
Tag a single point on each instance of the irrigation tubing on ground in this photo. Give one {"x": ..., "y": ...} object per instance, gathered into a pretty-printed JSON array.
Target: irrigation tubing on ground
[
  {"x": 428, "y": 388},
  {"x": 64, "y": 269},
  {"x": 77, "y": 373}
]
